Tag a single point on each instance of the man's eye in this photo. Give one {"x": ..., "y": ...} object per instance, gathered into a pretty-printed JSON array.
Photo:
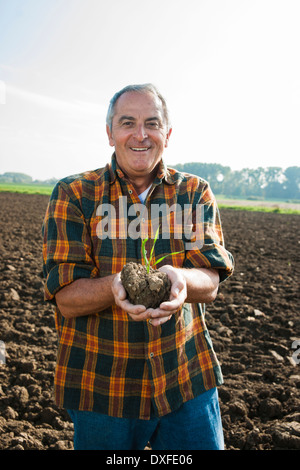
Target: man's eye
[
  {"x": 153, "y": 125},
  {"x": 127, "y": 123}
]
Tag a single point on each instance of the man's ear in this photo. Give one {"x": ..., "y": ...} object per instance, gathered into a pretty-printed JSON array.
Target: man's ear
[
  {"x": 168, "y": 137},
  {"x": 110, "y": 137}
]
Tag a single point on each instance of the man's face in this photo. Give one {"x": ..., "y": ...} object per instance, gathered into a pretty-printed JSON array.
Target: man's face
[{"x": 139, "y": 133}]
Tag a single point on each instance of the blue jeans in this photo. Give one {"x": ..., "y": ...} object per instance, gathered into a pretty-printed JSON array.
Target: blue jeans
[{"x": 196, "y": 425}]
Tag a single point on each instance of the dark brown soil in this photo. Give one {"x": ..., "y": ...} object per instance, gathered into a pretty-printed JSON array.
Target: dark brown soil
[
  {"x": 148, "y": 289},
  {"x": 253, "y": 324}
]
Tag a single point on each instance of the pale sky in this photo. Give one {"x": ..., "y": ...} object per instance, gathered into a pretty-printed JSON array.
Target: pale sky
[{"x": 229, "y": 70}]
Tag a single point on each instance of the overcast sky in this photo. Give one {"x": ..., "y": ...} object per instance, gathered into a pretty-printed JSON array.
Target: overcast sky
[{"x": 229, "y": 70}]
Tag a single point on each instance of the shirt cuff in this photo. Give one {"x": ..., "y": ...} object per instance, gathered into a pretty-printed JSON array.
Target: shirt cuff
[
  {"x": 216, "y": 257},
  {"x": 63, "y": 274}
]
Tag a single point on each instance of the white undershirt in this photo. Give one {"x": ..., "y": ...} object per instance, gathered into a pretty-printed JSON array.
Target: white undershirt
[{"x": 143, "y": 195}]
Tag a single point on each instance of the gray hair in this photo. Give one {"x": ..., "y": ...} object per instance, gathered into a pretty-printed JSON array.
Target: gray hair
[{"x": 145, "y": 88}]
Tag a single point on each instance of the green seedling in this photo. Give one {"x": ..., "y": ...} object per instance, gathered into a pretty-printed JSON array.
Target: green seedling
[{"x": 148, "y": 263}]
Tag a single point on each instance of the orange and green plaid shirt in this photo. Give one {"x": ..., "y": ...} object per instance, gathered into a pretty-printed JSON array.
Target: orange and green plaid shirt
[{"x": 107, "y": 362}]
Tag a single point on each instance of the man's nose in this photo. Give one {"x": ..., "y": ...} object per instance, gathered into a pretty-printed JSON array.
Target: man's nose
[{"x": 140, "y": 132}]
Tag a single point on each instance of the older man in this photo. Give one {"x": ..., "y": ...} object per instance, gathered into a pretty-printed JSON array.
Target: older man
[{"x": 127, "y": 374}]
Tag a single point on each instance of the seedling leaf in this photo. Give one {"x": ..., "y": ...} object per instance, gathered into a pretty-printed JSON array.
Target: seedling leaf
[
  {"x": 148, "y": 262},
  {"x": 144, "y": 253},
  {"x": 163, "y": 257}
]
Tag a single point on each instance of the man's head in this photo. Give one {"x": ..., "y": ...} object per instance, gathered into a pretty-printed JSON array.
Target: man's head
[
  {"x": 144, "y": 88},
  {"x": 139, "y": 129}
]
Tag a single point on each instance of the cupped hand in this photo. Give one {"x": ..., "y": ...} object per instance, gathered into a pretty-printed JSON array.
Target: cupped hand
[
  {"x": 178, "y": 296},
  {"x": 164, "y": 312},
  {"x": 136, "y": 312}
]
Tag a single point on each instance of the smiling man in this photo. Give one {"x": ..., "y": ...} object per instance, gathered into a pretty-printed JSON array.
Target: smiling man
[
  {"x": 139, "y": 132},
  {"x": 127, "y": 374}
]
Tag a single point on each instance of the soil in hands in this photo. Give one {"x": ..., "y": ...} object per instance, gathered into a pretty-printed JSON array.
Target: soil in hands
[{"x": 143, "y": 288}]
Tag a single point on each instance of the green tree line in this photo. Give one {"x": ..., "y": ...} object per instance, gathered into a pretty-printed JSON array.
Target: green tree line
[
  {"x": 263, "y": 183},
  {"x": 22, "y": 178}
]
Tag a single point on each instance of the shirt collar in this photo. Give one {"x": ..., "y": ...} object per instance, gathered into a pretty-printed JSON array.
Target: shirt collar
[{"x": 162, "y": 173}]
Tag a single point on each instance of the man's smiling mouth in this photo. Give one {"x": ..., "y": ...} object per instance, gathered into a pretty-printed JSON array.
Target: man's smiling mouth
[{"x": 139, "y": 149}]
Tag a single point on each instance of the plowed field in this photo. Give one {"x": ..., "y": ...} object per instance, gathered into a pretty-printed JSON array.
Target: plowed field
[{"x": 254, "y": 324}]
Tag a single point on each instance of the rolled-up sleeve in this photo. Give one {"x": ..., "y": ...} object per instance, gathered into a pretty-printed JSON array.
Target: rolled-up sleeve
[
  {"x": 67, "y": 247},
  {"x": 209, "y": 248}
]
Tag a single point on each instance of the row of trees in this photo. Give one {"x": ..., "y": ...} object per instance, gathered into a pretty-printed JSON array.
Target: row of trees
[
  {"x": 265, "y": 183},
  {"x": 22, "y": 178},
  {"x": 271, "y": 182},
  {"x": 12, "y": 177}
]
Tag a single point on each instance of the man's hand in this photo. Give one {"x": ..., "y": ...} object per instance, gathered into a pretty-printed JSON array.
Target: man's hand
[
  {"x": 136, "y": 312},
  {"x": 178, "y": 296},
  {"x": 166, "y": 309}
]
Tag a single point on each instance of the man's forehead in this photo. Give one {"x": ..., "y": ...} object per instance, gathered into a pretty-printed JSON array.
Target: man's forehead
[{"x": 136, "y": 102}]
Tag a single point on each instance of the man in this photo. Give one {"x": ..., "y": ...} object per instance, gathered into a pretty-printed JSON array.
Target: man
[{"x": 129, "y": 375}]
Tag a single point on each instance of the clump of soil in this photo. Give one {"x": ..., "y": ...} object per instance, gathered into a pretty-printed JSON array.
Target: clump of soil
[{"x": 148, "y": 289}]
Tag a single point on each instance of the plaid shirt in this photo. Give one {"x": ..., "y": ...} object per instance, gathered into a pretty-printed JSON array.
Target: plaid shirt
[{"x": 107, "y": 362}]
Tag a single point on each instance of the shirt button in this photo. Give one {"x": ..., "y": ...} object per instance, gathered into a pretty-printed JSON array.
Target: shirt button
[{"x": 151, "y": 354}]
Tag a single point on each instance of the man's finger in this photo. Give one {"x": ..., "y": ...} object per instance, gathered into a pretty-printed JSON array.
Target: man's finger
[
  {"x": 142, "y": 316},
  {"x": 159, "y": 321},
  {"x": 132, "y": 309}
]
